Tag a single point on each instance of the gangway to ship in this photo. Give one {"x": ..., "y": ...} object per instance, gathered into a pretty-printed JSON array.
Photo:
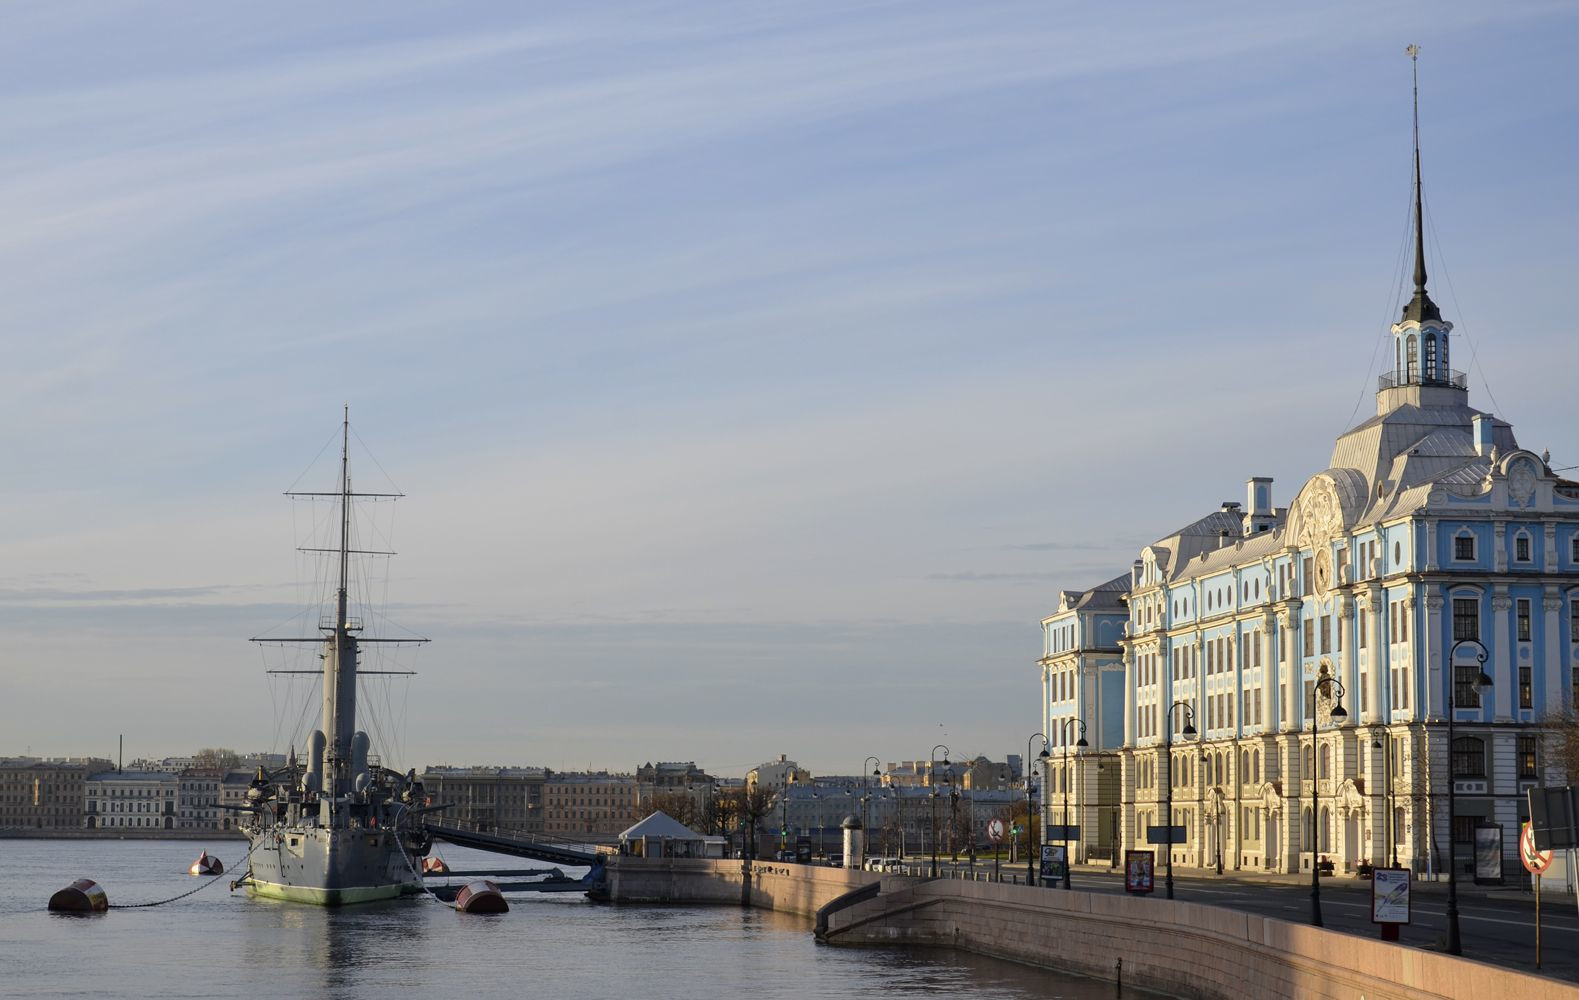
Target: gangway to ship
[{"x": 522, "y": 847}]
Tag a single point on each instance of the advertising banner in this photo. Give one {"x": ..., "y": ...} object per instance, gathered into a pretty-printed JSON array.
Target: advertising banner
[
  {"x": 1139, "y": 867},
  {"x": 1390, "y": 896}
]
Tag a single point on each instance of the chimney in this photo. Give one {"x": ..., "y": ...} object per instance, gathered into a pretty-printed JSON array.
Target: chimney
[
  {"x": 1481, "y": 424},
  {"x": 1258, "y": 498}
]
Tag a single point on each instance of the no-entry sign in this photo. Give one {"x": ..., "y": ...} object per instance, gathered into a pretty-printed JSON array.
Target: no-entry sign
[{"x": 1535, "y": 861}]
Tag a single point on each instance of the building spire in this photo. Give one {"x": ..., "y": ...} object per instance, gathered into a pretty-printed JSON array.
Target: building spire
[{"x": 1420, "y": 307}]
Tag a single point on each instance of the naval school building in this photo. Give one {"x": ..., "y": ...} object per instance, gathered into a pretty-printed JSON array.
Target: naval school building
[{"x": 1435, "y": 555}]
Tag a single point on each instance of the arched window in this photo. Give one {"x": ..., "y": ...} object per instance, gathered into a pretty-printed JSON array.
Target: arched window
[
  {"x": 1326, "y": 829},
  {"x": 1430, "y": 357},
  {"x": 1413, "y": 355},
  {"x": 1310, "y": 764},
  {"x": 1255, "y": 766},
  {"x": 1306, "y": 829},
  {"x": 1469, "y": 757}
]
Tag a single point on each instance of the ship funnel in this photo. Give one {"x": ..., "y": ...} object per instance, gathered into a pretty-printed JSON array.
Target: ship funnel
[
  {"x": 359, "y": 746},
  {"x": 313, "y": 780}
]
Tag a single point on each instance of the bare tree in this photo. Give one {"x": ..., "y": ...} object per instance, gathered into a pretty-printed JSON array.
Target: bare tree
[
  {"x": 1562, "y": 744},
  {"x": 221, "y": 758},
  {"x": 679, "y": 805}
]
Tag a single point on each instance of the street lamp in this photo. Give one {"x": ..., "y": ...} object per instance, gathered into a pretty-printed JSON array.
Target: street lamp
[
  {"x": 932, "y": 779},
  {"x": 953, "y": 821},
  {"x": 1167, "y": 750},
  {"x": 866, "y": 795},
  {"x": 1030, "y": 859},
  {"x": 1064, "y": 731},
  {"x": 784, "y": 815},
  {"x": 1338, "y": 714},
  {"x": 1385, "y": 745},
  {"x": 1455, "y": 945}
]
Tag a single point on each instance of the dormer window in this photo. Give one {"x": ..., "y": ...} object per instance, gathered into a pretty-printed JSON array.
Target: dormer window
[
  {"x": 1464, "y": 547},
  {"x": 1521, "y": 547}
]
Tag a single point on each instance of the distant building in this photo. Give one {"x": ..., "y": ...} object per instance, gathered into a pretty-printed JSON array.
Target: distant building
[
  {"x": 776, "y": 773},
  {"x": 131, "y": 800},
  {"x": 502, "y": 800},
  {"x": 197, "y": 798},
  {"x": 589, "y": 806},
  {"x": 44, "y": 795}
]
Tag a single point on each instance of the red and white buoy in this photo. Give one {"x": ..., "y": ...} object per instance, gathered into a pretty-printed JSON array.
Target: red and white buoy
[
  {"x": 81, "y": 896},
  {"x": 481, "y": 896},
  {"x": 205, "y": 865},
  {"x": 434, "y": 866}
]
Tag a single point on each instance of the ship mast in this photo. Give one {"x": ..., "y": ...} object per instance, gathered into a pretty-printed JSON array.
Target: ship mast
[{"x": 340, "y": 647}]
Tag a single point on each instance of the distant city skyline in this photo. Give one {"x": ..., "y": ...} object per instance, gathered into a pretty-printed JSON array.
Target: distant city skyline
[{"x": 748, "y": 369}]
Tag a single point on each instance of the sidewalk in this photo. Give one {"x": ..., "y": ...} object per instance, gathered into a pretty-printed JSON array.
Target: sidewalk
[{"x": 1422, "y": 884}]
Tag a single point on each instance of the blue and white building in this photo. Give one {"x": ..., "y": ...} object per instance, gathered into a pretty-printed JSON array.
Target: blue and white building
[{"x": 1432, "y": 540}]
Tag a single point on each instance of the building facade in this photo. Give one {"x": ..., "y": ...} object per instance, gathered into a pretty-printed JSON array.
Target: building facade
[
  {"x": 130, "y": 800},
  {"x": 1433, "y": 554},
  {"x": 44, "y": 795},
  {"x": 502, "y": 800}
]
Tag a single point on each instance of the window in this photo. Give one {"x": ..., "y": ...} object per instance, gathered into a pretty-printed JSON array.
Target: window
[
  {"x": 1398, "y": 554},
  {"x": 1464, "y": 547},
  {"x": 1526, "y": 688},
  {"x": 1466, "y": 618},
  {"x": 1573, "y": 621},
  {"x": 1464, "y": 829},
  {"x": 1412, "y": 353},
  {"x": 1305, "y": 577},
  {"x": 1310, "y": 637},
  {"x": 1521, "y": 548},
  {"x": 1466, "y": 693},
  {"x": 1310, "y": 700},
  {"x": 1527, "y": 757},
  {"x": 1326, "y": 633},
  {"x": 1430, "y": 356},
  {"x": 1469, "y": 758},
  {"x": 1523, "y": 608},
  {"x": 1363, "y": 635}
]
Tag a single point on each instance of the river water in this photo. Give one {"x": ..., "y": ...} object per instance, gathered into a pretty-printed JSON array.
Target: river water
[{"x": 221, "y": 944}]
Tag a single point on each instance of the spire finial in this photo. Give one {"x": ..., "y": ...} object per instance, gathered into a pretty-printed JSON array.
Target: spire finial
[{"x": 1420, "y": 307}]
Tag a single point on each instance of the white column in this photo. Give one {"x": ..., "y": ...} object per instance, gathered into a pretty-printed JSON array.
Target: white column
[
  {"x": 1505, "y": 681},
  {"x": 1424, "y": 648},
  {"x": 1556, "y": 686},
  {"x": 1375, "y": 653}
]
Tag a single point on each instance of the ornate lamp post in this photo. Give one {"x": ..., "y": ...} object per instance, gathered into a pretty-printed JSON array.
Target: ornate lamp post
[
  {"x": 866, "y": 793},
  {"x": 1455, "y": 945},
  {"x": 1030, "y": 855},
  {"x": 1167, "y": 750},
  {"x": 932, "y": 773},
  {"x": 1338, "y": 714},
  {"x": 1385, "y": 745},
  {"x": 1064, "y": 732}
]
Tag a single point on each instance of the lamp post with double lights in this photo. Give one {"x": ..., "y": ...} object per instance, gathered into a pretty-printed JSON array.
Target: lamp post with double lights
[
  {"x": 932, "y": 779},
  {"x": 1030, "y": 789},
  {"x": 866, "y": 793},
  {"x": 1455, "y": 944},
  {"x": 1385, "y": 745},
  {"x": 1167, "y": 752},
  {"x": 1065, "y": 730},
  {"x": 1338, "y": 714}
]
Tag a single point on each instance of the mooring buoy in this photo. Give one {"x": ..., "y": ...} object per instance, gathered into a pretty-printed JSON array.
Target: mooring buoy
[
  {"x": 205, "y": 865},
  {"x": 81, "y": 896},
  {"x": 481, "y": 896}
]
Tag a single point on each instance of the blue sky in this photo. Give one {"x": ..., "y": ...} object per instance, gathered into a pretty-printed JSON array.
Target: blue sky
[{"x": 758, "y": 372}]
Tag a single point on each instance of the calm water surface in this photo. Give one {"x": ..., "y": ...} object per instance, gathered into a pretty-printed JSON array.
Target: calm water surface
[{"x": 219, "y": 944}]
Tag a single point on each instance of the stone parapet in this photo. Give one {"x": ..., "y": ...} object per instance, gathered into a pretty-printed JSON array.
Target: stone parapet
[{"x": 1179, "y": 948}]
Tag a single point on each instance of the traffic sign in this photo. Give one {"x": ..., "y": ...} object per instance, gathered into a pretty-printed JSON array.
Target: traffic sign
[
  {"x": 1535, "y": 861},
  {"x": 995, "y": 830}
]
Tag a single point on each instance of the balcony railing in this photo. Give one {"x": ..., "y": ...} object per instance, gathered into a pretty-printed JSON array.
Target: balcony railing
[{"x": 1449, "y": 379}]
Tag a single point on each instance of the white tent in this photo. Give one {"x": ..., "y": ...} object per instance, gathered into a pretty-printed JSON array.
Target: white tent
[{"x": 661, "y": 835}]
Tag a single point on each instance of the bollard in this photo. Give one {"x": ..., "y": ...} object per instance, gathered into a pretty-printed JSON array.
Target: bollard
[{"x": 82, "y": 896}]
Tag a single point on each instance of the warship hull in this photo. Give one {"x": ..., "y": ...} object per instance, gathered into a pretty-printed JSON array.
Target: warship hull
[{"x": 330, "y": 867}]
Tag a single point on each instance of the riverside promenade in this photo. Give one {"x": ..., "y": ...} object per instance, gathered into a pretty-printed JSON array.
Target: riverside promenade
[{"x": 1178, "y": 947}]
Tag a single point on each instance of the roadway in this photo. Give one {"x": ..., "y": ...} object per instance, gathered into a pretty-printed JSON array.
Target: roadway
[{"x": 1495, "y": 925}]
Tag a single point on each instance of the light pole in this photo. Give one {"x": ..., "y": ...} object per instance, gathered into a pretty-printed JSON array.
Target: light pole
[
  {"x": 1338, "y": 714},
  {"x": 953, "y": 822},
  {"x": 1385, "y": 745},
  {"x": 1455, "y": 945},
  {"x": 1167, "y": 750},
  {"x": 932, "y": 779},
  {"x": 866, "y": 795},
  {"x": 1030, "y": 855},
  {"x": 1064, "y": 732},
  {"x": 784, "y": 815}
]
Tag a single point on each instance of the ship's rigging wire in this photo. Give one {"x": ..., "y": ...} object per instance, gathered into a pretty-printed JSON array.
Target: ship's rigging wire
[
  {"x": 1395, "y": 297},
  {"x": 1463, "y": 325}
]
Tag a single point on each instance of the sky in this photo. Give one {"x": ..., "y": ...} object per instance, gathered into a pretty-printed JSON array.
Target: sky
[{"x": 756, "y": 374}]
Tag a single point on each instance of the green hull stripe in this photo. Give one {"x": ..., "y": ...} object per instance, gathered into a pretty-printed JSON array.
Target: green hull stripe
[{"x": 329, "y": 897}]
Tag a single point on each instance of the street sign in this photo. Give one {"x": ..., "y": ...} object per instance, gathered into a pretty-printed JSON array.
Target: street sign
[
  {"x": 1535, "y": 860},
  {"x": 1056, "y": 831},
  {"x": 995, "y": 830},
  {"x": 1390, "y": 896},
  {"x": 1159, "y": 835},
  {"x": 1138, "y": 871},
  {"x": 1553, "y": 818}
]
